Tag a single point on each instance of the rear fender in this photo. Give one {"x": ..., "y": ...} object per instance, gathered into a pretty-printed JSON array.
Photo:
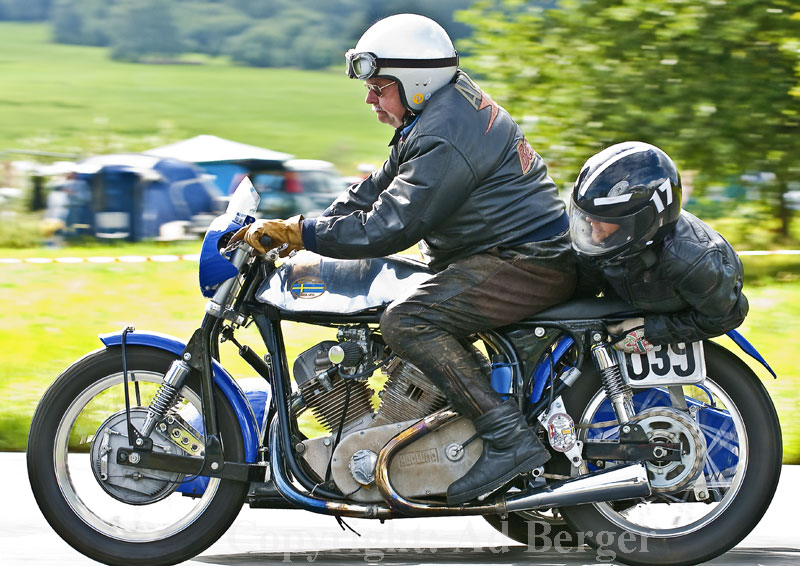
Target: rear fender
[
  {"x": 541, "y": 372},
  {"x": 749, "y": 349},
  {"x": 229, "y": 387}
]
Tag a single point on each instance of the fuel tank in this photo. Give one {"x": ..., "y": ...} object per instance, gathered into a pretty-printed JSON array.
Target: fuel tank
[{"x": 310, "y": 283}]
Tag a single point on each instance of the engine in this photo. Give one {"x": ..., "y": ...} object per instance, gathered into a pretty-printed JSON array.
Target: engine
[
  {"x": 326, "y": 393},
  {"x": 407, "y": 393},
  {"x": 332, "y": 381}
]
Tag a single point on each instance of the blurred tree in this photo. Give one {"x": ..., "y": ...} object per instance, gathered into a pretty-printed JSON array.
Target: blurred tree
[
  {"x": 96, "y": 20},
  {"x": 261, "y": 45},
  {"x": 82, "y": 22},
  {"x": 205, "y": 27},
  {"x": 715, "y": 84},
  {"x": 25, "y": 10},
  {"x": 261, "y": 8},
  {"x": 143, "y": 27},
  {"x": 312, "y": 34},
  {"x": 297, "y": 38},
  {"x": 442, "y": 11},
  {"x": 67, "y": 21}
]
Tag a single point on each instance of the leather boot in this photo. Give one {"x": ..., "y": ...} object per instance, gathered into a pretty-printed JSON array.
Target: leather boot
[{"x": 510, "y": 447}]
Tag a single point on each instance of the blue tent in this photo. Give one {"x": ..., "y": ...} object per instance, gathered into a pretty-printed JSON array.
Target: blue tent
[{"x": 132, "y": 195}]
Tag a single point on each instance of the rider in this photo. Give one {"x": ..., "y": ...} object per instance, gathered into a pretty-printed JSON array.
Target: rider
[
  {"x": 462, "y": 178},
  {"x": 634, "y": 241}
]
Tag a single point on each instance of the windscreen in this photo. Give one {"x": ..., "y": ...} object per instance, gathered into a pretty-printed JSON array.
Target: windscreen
[{"x": 244, "y": 200}]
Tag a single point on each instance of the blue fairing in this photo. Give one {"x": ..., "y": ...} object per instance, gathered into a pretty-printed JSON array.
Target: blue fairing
[
  {"x": 214, "y": 268},
  {"x": 248, "y": 419}
]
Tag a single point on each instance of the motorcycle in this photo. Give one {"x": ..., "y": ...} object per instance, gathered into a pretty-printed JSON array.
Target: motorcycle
[{"x": 146, "y": 449}]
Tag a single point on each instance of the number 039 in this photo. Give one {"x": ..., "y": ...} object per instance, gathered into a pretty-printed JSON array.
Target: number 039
[{"x": 675, "y": 364}]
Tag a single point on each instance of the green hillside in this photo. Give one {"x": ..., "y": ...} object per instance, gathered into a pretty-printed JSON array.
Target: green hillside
[{"x": 74, "y": 99}]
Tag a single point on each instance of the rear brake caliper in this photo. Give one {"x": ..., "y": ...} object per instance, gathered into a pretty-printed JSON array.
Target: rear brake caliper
[{"x": 561, "y": 432}]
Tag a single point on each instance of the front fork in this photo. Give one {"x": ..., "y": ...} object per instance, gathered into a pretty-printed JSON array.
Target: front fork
[
  {"x": 619, "y": 393},
  {"x": 196, "y": 356}
]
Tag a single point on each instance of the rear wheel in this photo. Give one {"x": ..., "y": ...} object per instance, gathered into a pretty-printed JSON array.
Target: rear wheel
[
  {"x": 707, "y": 502},
  {"x": 113, "y": 513}
]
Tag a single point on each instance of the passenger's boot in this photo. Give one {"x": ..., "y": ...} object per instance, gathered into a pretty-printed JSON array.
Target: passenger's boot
[{"x": 510, "y": 447}]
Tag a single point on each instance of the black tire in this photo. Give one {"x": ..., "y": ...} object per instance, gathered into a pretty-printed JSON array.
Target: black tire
[
  {"x": 743, "y": 511},
  {"x": 208, "y": 522},
  {"x": 531, "y": 529}
]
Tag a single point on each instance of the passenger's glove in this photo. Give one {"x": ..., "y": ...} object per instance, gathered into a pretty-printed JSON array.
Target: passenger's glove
[
  {"x": 628, "y": 336},
  {"x": 287, "y": 231}
]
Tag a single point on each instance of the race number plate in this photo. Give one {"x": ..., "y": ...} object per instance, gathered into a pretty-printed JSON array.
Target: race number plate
[{"x": 676, "y": 364}]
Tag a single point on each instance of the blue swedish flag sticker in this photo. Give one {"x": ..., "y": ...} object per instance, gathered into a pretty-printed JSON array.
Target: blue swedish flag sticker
[{"x": 307, "y": 288}]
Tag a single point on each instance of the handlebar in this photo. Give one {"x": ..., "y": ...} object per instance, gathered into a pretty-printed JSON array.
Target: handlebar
[{"x": 266, "y": 242}]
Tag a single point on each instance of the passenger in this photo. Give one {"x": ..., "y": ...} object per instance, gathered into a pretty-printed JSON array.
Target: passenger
[{"x": 634, "y": 241}]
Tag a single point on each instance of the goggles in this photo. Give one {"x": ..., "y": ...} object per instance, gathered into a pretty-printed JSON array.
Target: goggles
[{"x": 365, "y": 65}]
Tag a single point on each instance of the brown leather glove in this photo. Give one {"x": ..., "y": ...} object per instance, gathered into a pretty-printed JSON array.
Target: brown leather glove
[
  {"x": 287, "y": 231},
  {"x": 630, "y": 336}
]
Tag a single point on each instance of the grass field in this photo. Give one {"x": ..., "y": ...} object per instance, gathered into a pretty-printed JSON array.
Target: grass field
[
  {"x": 74, "y": 99},
  {"x": 52, "y": 313}
]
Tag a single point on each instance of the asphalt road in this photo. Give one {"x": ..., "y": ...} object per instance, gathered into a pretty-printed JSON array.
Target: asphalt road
[{"x": 297, "y": 537}]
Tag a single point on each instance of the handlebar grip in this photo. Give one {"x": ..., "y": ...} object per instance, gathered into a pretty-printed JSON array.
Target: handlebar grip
[{"x": 265, "y": 241}]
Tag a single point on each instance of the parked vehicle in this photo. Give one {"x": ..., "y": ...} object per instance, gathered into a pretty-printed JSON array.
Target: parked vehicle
[
  {"x": 296, "y": 186},
  {"x": 145, "y": 450}
]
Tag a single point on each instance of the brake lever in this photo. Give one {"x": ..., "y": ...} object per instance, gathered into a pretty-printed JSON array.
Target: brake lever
[
  {"x": 230, "y": 248},
  {"x": 275, "y": 253}
]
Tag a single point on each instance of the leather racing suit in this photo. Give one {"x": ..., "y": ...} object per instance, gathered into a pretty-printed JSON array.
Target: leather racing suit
[
  {"x": 690, "y": 285},
  {"x": 462, "y": 178}
]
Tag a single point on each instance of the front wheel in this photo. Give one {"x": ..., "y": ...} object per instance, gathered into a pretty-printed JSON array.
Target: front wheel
[
  {"x": 708, "y": 501},
  {"x": 117, "y": 514}
]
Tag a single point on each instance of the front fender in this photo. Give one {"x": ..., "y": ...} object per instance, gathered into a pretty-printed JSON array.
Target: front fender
[{"x": 232, "y": 391}]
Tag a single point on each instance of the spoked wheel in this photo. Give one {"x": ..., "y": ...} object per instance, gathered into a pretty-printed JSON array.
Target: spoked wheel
[
  {"x": 709, "y": 500},
  {"x": 114, "y": 513}
]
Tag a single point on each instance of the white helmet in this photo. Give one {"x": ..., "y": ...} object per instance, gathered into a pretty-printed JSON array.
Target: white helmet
[{"x": 413, "y": 50}]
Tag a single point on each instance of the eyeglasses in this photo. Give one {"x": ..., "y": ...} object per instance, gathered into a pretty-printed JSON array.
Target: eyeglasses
[{"x": 378, "y": 90}]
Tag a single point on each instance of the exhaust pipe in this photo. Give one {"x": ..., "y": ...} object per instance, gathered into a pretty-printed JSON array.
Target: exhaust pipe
[{"x": 622, "y": 482}]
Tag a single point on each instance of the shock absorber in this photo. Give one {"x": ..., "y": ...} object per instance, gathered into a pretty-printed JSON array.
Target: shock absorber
[
  {"x": 618, "y": 392},
  {"x": 166, "y": 396}
]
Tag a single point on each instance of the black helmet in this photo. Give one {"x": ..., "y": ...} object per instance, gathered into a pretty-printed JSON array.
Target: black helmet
[{"x": 626, "y": 197}]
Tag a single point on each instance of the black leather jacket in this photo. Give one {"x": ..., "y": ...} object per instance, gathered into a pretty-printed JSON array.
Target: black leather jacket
[
  {"x": 462, "y": 178},
  {"x": 690, "y": 286}
]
